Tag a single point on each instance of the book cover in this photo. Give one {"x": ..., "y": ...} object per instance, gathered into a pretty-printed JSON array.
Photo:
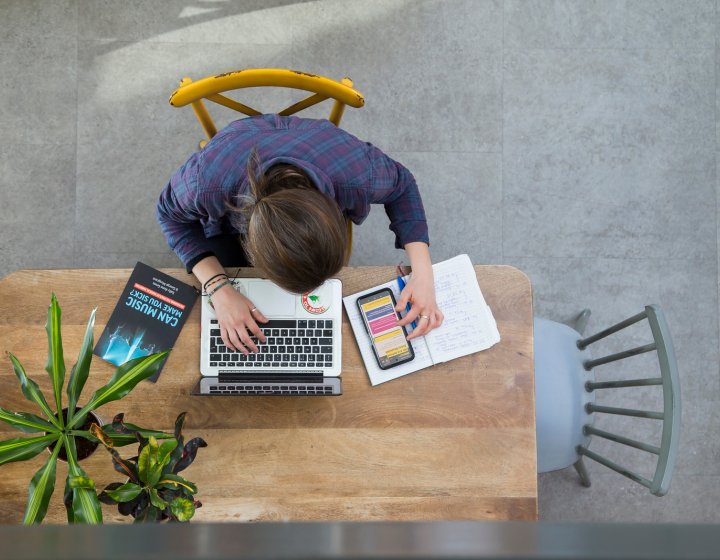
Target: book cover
[{"x": 148, "y": 317}]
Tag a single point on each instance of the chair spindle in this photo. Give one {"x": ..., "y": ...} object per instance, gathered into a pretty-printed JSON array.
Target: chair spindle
[
  {"x": 590, "y": 430},
  {"x": 590, "y": 407},
  {"x": 614, "y": 466},
  {"x": 591, "y": 386},
  {"x": 589, "y": 364},
  {"x": 583, "y": 342}
]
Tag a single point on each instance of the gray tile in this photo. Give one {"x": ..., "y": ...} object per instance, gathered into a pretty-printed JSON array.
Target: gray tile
[
  {"x": 37, "y": 82},
  {"x": 118, "y": 185},
  {"x": 38, "y": 20},
  {"x": 130, "y": 140},
  {"x": 609, "y": 24},
  {"x": 166, "y": 259},
  {"x": 447, "y": 181},
  {"x": 37, "y": 206},
  {"x": 123, "y": 94},
  {"x": 614, "y": 498},
  {"x": 601, "y": 152},
  {"x": 259, "y": 22},
  {"x": 419, "y": 96}
]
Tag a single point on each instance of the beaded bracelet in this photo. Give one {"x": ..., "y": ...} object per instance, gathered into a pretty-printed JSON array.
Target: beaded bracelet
[
  {"x": 210, "y": 280},
  {"x": 216, "y": 288},
  {"x": 215, "y": 283}
]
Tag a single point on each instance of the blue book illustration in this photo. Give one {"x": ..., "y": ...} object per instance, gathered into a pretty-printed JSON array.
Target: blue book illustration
[{"x": 148, "y": 317}]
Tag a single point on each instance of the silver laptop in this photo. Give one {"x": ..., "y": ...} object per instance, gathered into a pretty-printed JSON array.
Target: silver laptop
[{"x": 302, "y": 354}]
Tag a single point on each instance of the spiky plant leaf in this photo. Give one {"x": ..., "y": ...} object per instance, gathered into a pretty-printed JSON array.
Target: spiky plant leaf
[
  {"x": 41, "y": 489},
  {"x": 32, "y": 391},
  {"x": 20, "y": 449},
  {"x": 55, "y": 363},
  {"x": 25, "y": 422},
  {"x": 85, "y": 503},
  {"x": 81, "y": 369},
  {"x": 122, "y": 382}
]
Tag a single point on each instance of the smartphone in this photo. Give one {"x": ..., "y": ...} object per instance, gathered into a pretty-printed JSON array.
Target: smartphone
[{"x": 389, "y": 341}]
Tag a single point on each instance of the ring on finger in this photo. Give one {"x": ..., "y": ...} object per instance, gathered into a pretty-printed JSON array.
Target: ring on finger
[
  {"x": 253, "y": 310},
  {"x": 424, "y": 317}
]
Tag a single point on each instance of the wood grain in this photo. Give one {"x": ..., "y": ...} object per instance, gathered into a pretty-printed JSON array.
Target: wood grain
[{"x": 453, "y": 442}]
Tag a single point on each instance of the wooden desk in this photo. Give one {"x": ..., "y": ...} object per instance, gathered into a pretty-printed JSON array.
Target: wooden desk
[{"x": 453, "y": 442}]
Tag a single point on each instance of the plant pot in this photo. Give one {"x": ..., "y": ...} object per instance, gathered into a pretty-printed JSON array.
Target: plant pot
[{"x": 83, "y": 447}]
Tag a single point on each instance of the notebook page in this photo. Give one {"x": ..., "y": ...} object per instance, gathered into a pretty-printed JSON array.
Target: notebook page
[
  {"x": 469, "y": 325},
  {"x": 422, "y": 357}
]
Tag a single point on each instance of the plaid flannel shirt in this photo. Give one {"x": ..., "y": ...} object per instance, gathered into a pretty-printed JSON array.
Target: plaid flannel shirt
[{"x": 192, "y": 207}]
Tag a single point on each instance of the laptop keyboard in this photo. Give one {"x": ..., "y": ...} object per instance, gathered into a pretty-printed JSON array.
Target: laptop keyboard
[
  {"x": 267, "y": 389},
  {"x": 290, "y": 343}
]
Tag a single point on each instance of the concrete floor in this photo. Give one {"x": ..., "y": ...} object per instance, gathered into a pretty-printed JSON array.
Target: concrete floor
[{"x": 575, "y": 140}]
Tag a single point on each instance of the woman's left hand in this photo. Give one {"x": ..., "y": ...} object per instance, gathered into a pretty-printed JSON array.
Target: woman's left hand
[{"x": 420, "y": 293}]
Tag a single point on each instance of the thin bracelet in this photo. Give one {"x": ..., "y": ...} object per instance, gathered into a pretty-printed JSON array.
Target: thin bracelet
[
  {"x": 216, "y": 288},
  {"x": 205, "y": 285},
  {"x": 205, "y": 292},
  {"x": 214, "y": 282}
]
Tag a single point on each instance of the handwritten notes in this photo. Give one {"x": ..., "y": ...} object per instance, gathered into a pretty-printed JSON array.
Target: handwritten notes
[{"x": 468, "y": 327}]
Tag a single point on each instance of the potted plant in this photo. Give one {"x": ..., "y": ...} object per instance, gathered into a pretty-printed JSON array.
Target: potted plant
[
  {"x": 154, "y": 491},
  {"x": 68, "y": 429}
]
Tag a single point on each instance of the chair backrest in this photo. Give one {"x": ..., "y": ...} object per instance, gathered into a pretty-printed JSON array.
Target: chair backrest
[
  {"x": 670, "y": 416},
  {"x": 212, "y": 87}
]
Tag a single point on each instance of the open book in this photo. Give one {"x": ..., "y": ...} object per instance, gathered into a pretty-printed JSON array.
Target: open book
[{"x": 469, "y": 325}]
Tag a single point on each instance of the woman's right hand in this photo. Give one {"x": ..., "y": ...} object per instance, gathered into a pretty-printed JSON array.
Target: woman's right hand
[{"x": 237, "y": 315}]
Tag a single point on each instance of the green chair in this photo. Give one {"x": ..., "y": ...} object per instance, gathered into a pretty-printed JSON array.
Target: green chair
[{"x": 565, "y": 387}]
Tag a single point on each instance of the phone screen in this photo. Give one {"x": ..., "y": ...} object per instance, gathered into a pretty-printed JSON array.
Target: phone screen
[{"x": 388, "y": 339}]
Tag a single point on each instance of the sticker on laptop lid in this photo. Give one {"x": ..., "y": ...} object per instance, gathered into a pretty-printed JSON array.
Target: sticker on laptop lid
[{"x": 318, "y": 301}]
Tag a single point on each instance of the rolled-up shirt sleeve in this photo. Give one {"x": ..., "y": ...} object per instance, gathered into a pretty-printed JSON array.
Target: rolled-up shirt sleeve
[
  {"x": 181, "y": 212},
  {"x": 394, "y": 186}
]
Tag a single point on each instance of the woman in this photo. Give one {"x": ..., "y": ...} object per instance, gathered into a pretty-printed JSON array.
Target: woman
[{"x": 274, "y": 192}]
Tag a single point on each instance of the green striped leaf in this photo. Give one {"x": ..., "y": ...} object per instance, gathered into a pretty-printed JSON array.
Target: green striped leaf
[
  {"x": 124, "y": 434},
  {"x": 156, "y": 500},
  {"x": 148, "y": 467},
  {"x": 80, "y": 482},
  {"x": 182, "y": 508},
  {"x": 67, "y": 501},
  {"x": 166, "y": 448},
  {"x": 31, "y": 390},
  {"x": 25, "y": 422},
  {"x": 56, "y": 363},
  {"x": 175, "y": 482},
  {"x": 85, "y": 503},
  {"x": 81, "y": 369},
  {"x": 41, "y": 489},
  {"x": 122, "y": 382},
  {"x": 125, "y": 493},
  {"x": 20, "y": 449}
]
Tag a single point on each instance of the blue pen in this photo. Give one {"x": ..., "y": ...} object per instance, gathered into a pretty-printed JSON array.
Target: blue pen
[{"x": 401, "y": 285}]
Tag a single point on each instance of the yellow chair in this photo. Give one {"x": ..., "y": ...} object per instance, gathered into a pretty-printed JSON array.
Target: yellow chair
[{"x": 211, "y": 88}]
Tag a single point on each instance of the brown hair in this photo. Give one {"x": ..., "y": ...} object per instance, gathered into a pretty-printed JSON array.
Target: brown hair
[{"x": 296, "y": 235}]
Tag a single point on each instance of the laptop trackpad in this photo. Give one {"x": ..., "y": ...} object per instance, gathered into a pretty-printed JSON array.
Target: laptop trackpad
[{"x": 272, "y": 300}]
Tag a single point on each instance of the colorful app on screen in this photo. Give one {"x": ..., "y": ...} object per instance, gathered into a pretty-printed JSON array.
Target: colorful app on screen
[{"x": 388, "y": 339}]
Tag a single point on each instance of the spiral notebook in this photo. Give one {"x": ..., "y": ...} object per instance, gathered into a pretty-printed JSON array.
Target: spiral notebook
[{"x": 469, "y": 325}]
